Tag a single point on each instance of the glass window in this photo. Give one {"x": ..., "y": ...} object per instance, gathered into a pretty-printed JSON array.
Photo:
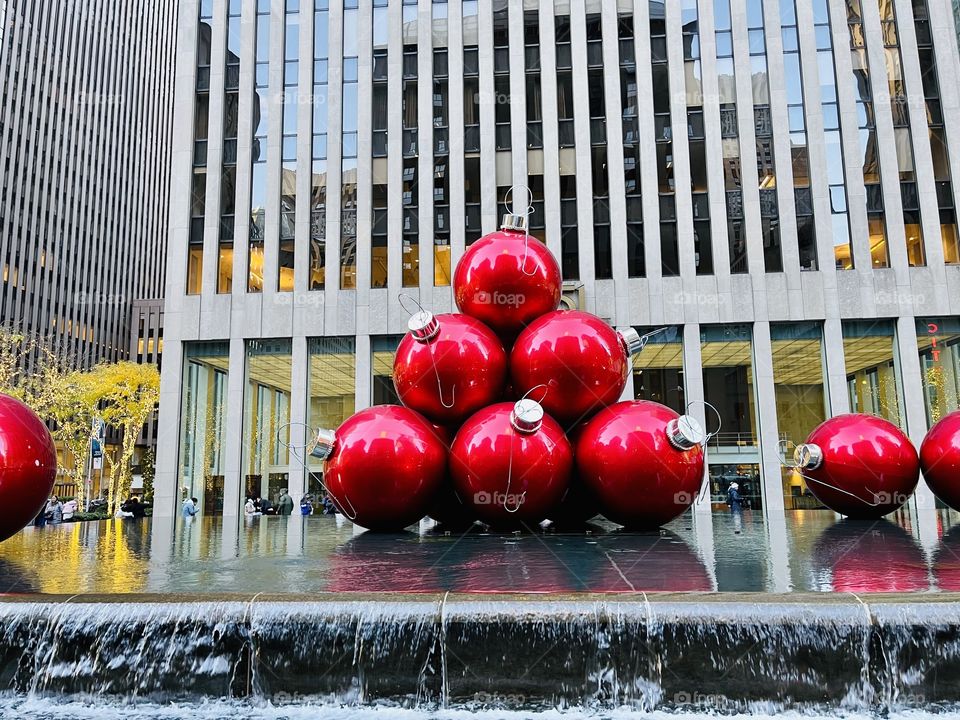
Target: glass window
[
  {"x": 939, "y": 343},
  {"x": 727, "y": 359},
  {"x": 331, "y": 391},
  {"x": 203, "y": 419},
  {"x": 384, "y": 349},
  {"x": 873, "y": 373},
  {"x": 266, "y": 429},
  {"x": 800, "y": 391},
  {"x": 658, "y": 369}
]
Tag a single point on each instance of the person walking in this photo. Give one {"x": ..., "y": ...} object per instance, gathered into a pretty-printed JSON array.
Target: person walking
[
  {"x": 285, "y": 504},
  {"x": 189, "y": 508},
  {"x": 735, "y": 501}
]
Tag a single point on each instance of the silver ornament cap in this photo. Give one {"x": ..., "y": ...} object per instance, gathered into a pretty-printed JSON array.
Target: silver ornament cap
[
  {"x": 517, "y": 223},
  {"x": 526, "y": 416},
  {"x": 321, "y": 447},
  {"x": 685, "y": 433},
  {"x": 631, "y": 340},
  {"x": 808, "y": 456},
  {"x": 424, "y": 326}
]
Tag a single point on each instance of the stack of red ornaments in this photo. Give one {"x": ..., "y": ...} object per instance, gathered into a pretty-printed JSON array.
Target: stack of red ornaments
[{"x": 511, "y": 413}]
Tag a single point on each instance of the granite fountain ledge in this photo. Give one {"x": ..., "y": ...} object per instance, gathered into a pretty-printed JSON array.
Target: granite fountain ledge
[{"x": 518, "y": 651}]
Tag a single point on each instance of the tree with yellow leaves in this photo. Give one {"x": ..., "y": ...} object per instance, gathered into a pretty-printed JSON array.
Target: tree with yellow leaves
[
  {"x": 29, "y": 368},
  {"x": 73, "y": 408},
  {"x": 127, "y": 394}
]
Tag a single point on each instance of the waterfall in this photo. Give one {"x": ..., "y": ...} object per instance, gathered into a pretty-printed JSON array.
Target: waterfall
[{"x": 532, "y": 653}]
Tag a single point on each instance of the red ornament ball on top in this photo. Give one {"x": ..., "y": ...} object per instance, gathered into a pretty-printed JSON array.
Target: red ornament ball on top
[
  {"x": 861, "y": 466},
  {"x": 28, "y": 465},
  {"x": 581, "y": 359},
  {"x": 940, "y": 459},
  {"x": 383, "y": 466},
  {"x": 512, "y": 463},
  {"x": 448, "y": 367},
  {"x": 507, "y": 279},
  {"x": 642, "y": 462}
]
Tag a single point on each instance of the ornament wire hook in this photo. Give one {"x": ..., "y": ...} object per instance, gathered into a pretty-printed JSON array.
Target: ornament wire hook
[
  {"x": 815, "y": 481},
  {"x": 436, "y": 371},
  {"x": 513, "y": 438},
  {"x": 644, "y": 339},
  {"x": 295, "y": 450},
  {"x": 406, "y": 296},
  {"x": 511, "y": 209},
  {"x": 546, "y": 389},
  {"x": 709, "y": 436},
  {"x": 782, "y": 446},
  {"x": 506, "y": 496}
]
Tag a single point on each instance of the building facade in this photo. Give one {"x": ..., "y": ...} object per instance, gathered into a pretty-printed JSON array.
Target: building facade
[
  {"x": 85, "y": 146},
  {"x": 771, "y": 181}
]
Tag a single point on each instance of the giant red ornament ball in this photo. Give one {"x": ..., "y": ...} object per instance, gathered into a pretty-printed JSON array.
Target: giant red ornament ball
[
  {"x": 642, "y": 462},
  {"x": 28, "y": 465},
  {"x": 940, "y": 459},
  {"x": 861, "y": 466},
  {"x": 512, "y": 463},
  {"x": 507, "y": 279},
  {"x": 448, "y": 367},
  {"x": 582, "y": 361},
  {"x": 383, "y": 466}
]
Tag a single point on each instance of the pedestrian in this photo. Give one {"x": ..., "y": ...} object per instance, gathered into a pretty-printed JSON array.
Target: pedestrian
[
  {"x": 249, "y": 508},
  {"x": 735, "y": 501},
  {"x": 306, "y": 505},
  {"x": 285, "y": 504},
  {"x": 189, "y": 508},
  {"x": 56, "y": 511}
]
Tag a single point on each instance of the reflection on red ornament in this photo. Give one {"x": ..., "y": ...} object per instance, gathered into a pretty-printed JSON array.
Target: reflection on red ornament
[
  {"x": 642, "y": 461},
  {"x": 507, "y": 279},
  {"x": 582, "y": 361},
  {"x": 383, "y": 466},
  {"x": 858, "y": 465},
  {"x": 940, "y": 459},
  {"x": 448, "y": 367},
  {"x": 854, "y": 556},
  {"x": 28, "y": 465},
  {"x": 512, "y": 463}
]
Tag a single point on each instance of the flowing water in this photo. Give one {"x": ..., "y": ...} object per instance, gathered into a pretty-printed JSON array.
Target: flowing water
[{"x": 307, "y": 617}]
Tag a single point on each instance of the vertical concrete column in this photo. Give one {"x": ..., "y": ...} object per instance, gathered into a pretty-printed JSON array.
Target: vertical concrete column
[
  {"x": 299, "y": 392},
  {"x": 236, "y": 451},
  {"x": 915, "y": 413},
  {"x": 764, "y": 389},
  {"x": 364, "y": 373},
  {"x": 165, "y": 496},
  {"x": 694, "y": 394},
  {"x": 489, "y": 202},
  {"x": 835, "y": 368}
]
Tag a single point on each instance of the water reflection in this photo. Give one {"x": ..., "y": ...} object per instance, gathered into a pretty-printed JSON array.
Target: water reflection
[
  {"x": 946, "y": 561},
  {"x": 812, "y": 552},
  {"x": 868, "y": 556}
]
